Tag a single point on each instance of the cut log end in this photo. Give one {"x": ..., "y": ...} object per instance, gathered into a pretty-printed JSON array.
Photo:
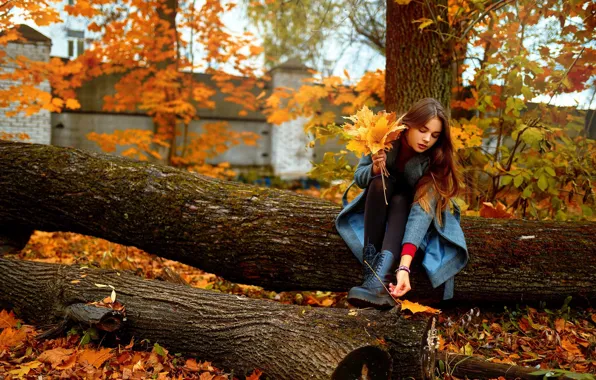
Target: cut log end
[{"x": 364, "y": 363}]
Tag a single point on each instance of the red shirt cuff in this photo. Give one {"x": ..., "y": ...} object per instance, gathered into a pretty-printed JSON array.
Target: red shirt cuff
[{"x": 408, "y": 249}]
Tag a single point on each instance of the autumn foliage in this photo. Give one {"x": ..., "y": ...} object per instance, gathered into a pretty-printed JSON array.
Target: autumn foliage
[
  {"x": 148, "y": 49},
  {"x": 533, "y": 158}
]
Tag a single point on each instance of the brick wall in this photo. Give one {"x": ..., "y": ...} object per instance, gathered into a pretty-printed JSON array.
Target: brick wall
[{"x": 37, "y": 126}]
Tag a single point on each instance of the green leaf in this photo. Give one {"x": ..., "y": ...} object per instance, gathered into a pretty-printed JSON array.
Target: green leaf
[
  {"x": 532, "y": 136},
  {"x": 85, "y": 339},
  {"x": 506, "y": 180},
  {"x": 159, "y": 350},
  {"x": 542, "y": 183},
  {"x": 550, "y": 171},
  {"x": 527, "y": 93},
  {"x": 587, "y": 211},
  {"x": 560, "y": 216},
  {"x": 518, "y": 180},
  {"x": 527, "y": 192}
]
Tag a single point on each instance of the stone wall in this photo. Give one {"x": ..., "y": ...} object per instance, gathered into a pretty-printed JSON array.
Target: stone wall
[
  {"x": 37, "y": 126},
  {"x": 70, "y": 129}
]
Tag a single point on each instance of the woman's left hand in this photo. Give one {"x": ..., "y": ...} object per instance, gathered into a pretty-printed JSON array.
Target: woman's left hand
[{"x": 403, "y": 284}]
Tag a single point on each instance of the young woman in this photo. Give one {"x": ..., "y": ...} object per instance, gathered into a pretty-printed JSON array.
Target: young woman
[{"x": 422, "y": 183}]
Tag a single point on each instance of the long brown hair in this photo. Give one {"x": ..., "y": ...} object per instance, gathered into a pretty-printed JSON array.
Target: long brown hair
[{"x": 442, "y": 180}]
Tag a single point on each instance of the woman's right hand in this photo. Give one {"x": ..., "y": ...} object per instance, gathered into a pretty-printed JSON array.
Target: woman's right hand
[{"x": 379, "y": 160}]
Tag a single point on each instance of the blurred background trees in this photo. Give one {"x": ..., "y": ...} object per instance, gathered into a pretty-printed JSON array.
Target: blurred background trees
[{"x": 500, "y": 66}]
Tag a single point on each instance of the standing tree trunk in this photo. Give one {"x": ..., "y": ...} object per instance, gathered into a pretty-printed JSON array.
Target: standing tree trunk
[
  {"x": 284, "y": 341},
  {"x": 277, "y": 239},
  {"x": 418, "y": 62}
]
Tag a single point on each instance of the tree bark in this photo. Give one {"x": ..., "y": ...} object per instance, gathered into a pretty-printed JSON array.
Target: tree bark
[
  {"x": 284, "y": 341},
  {"x": 418, "y": 62},
  {"x": 276, "y": 239}
]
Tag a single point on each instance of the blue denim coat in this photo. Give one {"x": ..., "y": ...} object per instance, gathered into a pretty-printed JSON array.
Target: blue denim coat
[{"x": 444, "y": 247}]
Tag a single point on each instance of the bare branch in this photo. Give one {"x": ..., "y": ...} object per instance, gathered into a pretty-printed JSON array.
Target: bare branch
[{"x": 496, "y": 6}]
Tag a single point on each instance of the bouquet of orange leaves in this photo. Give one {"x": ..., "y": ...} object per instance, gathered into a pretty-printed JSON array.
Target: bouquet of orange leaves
[{"x": 371, "y": 133}]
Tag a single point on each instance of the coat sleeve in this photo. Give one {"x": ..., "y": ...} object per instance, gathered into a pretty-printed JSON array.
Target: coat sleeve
[
  {"x": 418, "y": 223},
  {"x": 363, "y": 174}
]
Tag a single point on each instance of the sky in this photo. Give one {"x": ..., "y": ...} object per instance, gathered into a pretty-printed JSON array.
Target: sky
[{"x": 356, "y": 60}]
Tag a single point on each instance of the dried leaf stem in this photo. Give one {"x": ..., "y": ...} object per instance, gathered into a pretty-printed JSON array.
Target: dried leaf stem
[{"x": 384, "y": 172}]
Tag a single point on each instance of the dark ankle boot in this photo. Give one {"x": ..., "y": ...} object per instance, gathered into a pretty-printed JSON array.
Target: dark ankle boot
[
  {"x": 368, "y": 256},
  {"x": 372, "y": 293}
]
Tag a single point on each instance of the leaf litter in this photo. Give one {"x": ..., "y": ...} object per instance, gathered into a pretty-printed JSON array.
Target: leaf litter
[{"x": 563, "y": 339}]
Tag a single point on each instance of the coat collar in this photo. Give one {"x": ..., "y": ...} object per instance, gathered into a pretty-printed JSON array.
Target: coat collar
[{"x": 414, "y": 168}]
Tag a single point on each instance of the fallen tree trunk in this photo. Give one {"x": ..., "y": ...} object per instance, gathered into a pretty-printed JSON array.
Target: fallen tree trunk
[
  {"x": 276, "y": 239},
  {"x": 285, "y": 341}
]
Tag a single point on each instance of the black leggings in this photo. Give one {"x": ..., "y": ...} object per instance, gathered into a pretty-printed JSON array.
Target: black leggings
[{"x": 394, "y": 215}]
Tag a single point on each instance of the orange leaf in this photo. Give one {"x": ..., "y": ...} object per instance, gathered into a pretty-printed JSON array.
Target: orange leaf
[
  {"x": 58, "y": 356},
  {"x": 327, "y": 302},
  {"x": 192, "y": 365},
  {"x": 489, "y": 211},
  {"x": 256, "y": 375},
  {"x": 11, "y": 337},
  {"x": 560, "y": 325},
  {"x": 417, "y": 308},
  {"x": 570, "y": 347},
  {"x": 7, "y": 319},
  {"x": 72, "y": 104},
  {"x": 278, "y": 117},
  {"x": 94, "y": 357},
  {"x": 206, "y": 376}
]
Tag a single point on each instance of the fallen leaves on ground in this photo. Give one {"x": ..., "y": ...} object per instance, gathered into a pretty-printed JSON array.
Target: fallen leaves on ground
[
  {"x": 65, "y": 358},
  {"x": 7, "y": 319},
  {"x": 562, "y": 338},
  {"x": 556, "y": 339}
]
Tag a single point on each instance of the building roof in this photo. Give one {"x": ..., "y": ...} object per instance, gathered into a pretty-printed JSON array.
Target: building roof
[
  {"x": 32, "y": 35},
  {"x": 291, "y": 64}
]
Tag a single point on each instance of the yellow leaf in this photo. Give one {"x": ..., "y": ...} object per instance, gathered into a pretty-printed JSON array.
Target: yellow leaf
[
  {"x": 418, "y": 308},
  {"x": 403, "y": 2},
  {"x": 426, "y": 23},
  {"x": 358, "y": 147},
  {"x": 24, "y": 369}
]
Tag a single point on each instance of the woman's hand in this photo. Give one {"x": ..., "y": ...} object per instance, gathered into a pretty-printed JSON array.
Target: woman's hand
[
  {"x": 403, "y": 284},
  {"x": 379, "y": 160}
]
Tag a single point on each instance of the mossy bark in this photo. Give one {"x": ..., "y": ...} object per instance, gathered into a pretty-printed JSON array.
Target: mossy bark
[
  {"x": 284, "y": 341},
  {"x": 276, "y": 239},
  {"x": 418, "y": 62}
]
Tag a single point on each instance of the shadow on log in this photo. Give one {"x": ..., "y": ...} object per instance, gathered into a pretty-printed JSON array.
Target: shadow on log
[
  {"x": 276, "y": 239},
  {"x": 284, "y": 341}
]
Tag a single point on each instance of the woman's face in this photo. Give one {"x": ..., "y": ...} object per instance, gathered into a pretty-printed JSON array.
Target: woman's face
[{"x": 423, "y": 138}]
